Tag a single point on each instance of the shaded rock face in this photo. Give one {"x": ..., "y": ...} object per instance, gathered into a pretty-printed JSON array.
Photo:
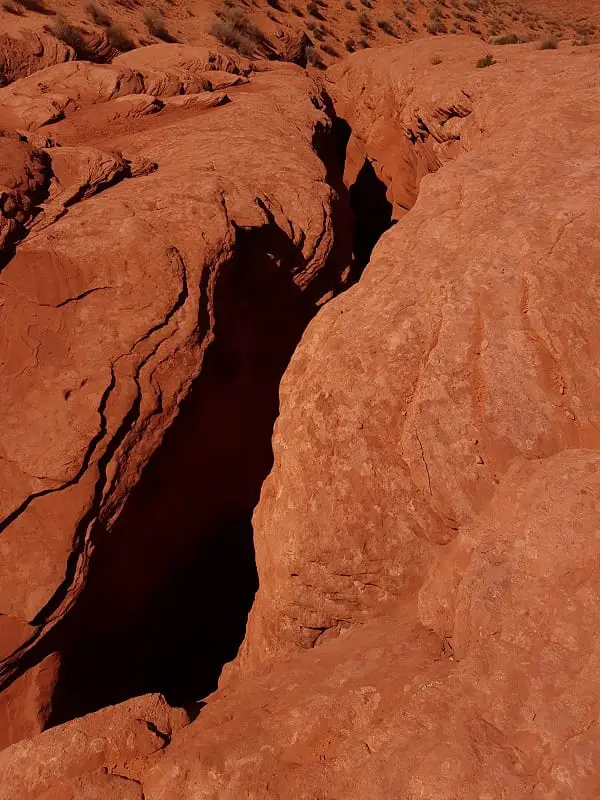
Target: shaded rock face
[{"x": 160, "y": 286}]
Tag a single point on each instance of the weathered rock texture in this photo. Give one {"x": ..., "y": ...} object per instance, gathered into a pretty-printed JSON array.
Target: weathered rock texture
[
  {"x": 509, "y": 706},
  {"x": 159, "y": 266},
  {"x": 428, "y": 538},
  {"x": 471, "y": 340},
  {"x": 109, "y": 738}
]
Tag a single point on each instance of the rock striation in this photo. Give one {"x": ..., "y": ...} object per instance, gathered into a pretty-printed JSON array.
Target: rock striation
[{"x": 144, "y": 248}]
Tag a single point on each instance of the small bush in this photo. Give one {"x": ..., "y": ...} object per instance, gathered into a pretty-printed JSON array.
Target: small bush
[
  {"x": 435, "y": 60},
  {"x": 331, "y": 51},
  {"x": 97, "y": 16},
  {"x": 510, "y": 38},
  {"x": 11, "y": 8},
  {"x": 153, "y": 19},
  {"x": 350, "y": 45},
  {"x": 386, "y": 27},
  {"x": 348, "y": 5},
  {"x": 436, "y": 26},
  {"x": 119, "y": 39},
  {"x": 37, "y": 6},
  {"x": 364, "y": 21},
  {"x": 364, "y": 43},
  {"x": 71, "y": 35},
  {"x": 436, "y": 13},
  {"x": 472, "y": 4},
  {"x": 236, "y": 31},
  {"x": 486, "y": 61},
  {"x": 409, "y": 6},
  {"x": 297, "y": 10},
  {"x": 275, "y": 4},
  {"x": 548, "y": 44},
  {"x": 314, "y": 10},
  {"x": 313, "y": 58}
]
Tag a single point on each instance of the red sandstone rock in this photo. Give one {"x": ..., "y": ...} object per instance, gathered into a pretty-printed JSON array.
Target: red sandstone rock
[
  {"x": 427, "y": 540},
  {"x": 29, "y": 52},
  {"x": 471, "y": 339},
  {"x": 503, "y": 701},
  {"x": 108, "y": 738},
  {"x": 108, "y": 309}
]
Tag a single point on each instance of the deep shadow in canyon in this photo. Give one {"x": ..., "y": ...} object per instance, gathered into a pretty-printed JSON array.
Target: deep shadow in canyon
[
  {"x": 372, "y": 212},
  {"x": 172, "y": 582}
]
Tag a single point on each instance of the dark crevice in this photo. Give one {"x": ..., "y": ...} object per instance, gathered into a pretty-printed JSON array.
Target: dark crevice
[
  {"x": 171, "y": 583},
  {"x": 372, "y": 212}
]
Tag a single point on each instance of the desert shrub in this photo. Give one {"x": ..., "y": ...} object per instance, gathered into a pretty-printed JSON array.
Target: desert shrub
[
  {"x": 276, "y": 5},
  {"x": 436, "y": 13},
  {"x": 435, "y": 60},
  {"x": 154, "y": 20},
  {"x": 297, "y": 10},
  {"x": 364, "y": 43},
  {"x": 331, "y": 51},
  {"x": 510, "y": 38},
  {"x": 71, "y": 35},
  {"x": 386, "y": 27},
  {"x": 97, "y": 16},
  {"x": 119, "y": 39},
  {"x": 314, "y": 10},
  {"x": 348, "y": 5},
  {"x": 36, "y": 5},
  {"x": 367, "y": 3},
  {"x": 409, "y": 6},
  {"x": 583, "y": 42},
  {"x": 486, "y": 61},
  {"x": 364, "y": 21},
  {"x": 548, "y": 44},
  {"x": 236, "y": 31},
  {"x": 436, "y": 26},
  {"x": 11, "y": 8},
  {"x": 313, "y": 58},
  {"x": 350, "y": 45},
  {"x": 472, "y": 4}
]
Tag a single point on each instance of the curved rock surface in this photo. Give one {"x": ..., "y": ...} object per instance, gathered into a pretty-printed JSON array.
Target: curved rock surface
[
  {"x": 427, "y": 540},
  {"x": 108, "y": 310},
  {"x": 497, "y": 696},
  {"x": 470, "y": 341}
]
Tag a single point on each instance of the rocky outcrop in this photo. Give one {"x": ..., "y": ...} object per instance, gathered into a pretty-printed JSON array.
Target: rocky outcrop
[
  {"x": 426, "y": 541},
  {"x": 108, "y": 739},
  {"x": 162, "y": 278},
  {"x": 493, "y": 691},
  {"x": 29, "y": 52},
  {"x": 468, "y": 343}
]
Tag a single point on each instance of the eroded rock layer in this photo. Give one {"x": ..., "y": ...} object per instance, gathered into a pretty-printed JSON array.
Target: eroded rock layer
[
  {"x": 155, "y": 270},
  {"x": 427, "y": 541}
]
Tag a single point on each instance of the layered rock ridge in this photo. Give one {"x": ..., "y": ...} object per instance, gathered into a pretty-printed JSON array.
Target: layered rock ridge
[{"x": 163, "y": 253}]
